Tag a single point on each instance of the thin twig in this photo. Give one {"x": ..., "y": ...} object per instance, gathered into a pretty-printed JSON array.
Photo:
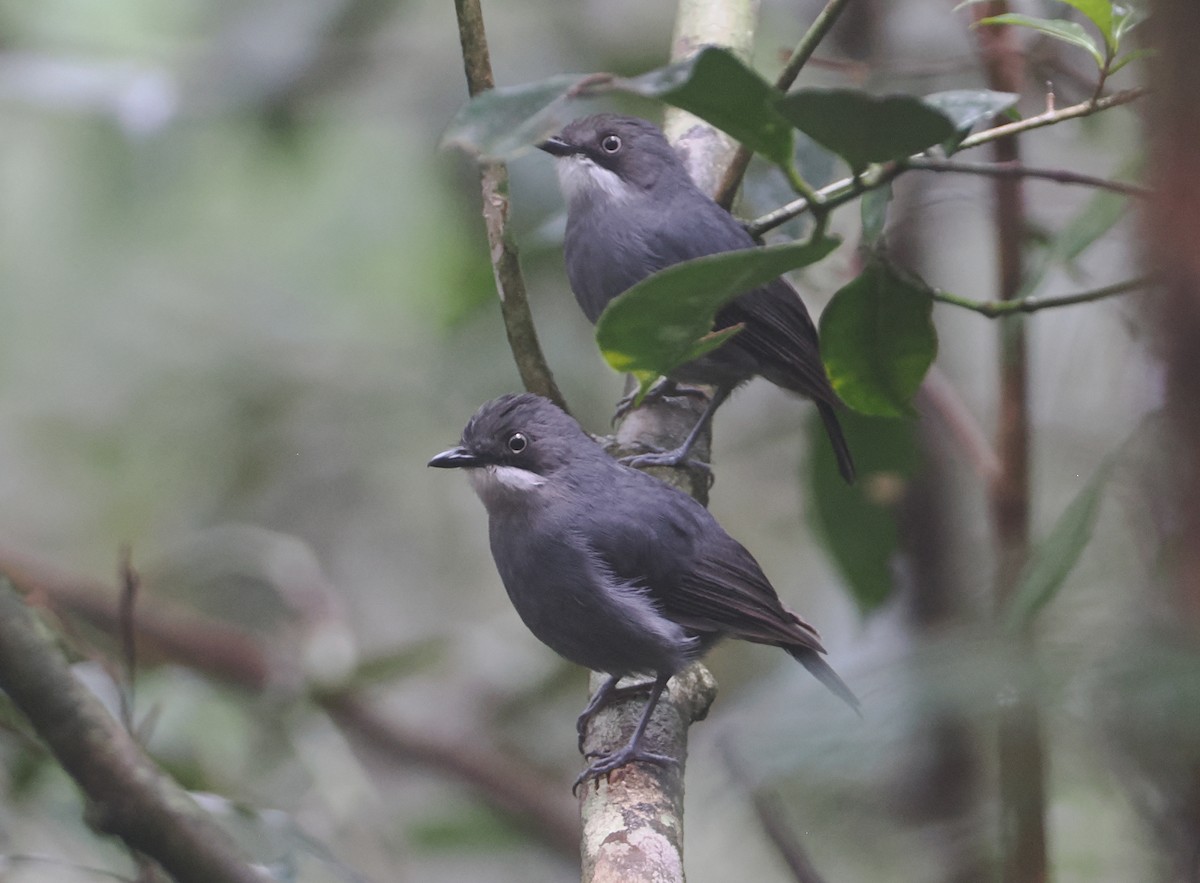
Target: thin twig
[
  {"x": 938, "y": 396},
  {"x": 128, "y": 580},
  {"x": 772, "y": 819},
  {"x": 506, "y": 267},
  {"x": 816, "y": 32},
  {"x": 846, "y": 189},
  {"x": 1017, "y": 170},
  {"x": 995, "y": 308}
]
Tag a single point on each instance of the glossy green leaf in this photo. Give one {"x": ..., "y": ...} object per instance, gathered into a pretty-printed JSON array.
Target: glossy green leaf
[
  {"x": 878, "y": 340},
  {"x": 666, "y": 319},
  {"x": 1055, "y": 556},
  {"x": 716, "y": 86},
  {"x": 967, "y": 107},
  {"x": 863, "y": 129},
  {"x": 1099, "y": 13},
  {"x": 1125, "y": 59},
  {"x": 1127, "y": 16},
  {"x": 1068, "y": 31},
  {"x": 501, "y": 123},
  {"x": 858, "y": 522}
]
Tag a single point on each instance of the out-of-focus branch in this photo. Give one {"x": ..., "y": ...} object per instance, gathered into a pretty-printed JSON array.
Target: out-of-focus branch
[
  {"x": 1019, "y": 737},
  {"x": 127, "y": 795},
  {"x": 506, "y": 265},
  {"x": 939, "y": 398},
  {"x": 542, "y": 808},
  {"x": 812, "y": 38},
  {"x": 239, "y": 658},
  {"x": 1016, "y": 170}
]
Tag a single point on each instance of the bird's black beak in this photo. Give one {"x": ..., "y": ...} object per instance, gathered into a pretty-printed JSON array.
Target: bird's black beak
[
  {"x": 556, "y": 146},
  {"x": 455, "y": 458}
]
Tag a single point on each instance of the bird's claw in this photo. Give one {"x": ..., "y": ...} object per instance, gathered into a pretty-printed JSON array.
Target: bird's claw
[
  {"x": 607, "y": 763},
  {"x": 666, "y": 389},
  {"x": 658, "y": 457}
]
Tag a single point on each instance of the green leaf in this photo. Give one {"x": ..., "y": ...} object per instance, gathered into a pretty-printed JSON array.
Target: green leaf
[
  {"x": 1100, "y": 13},
  {"x": 716, "y": 86},
  {"x": 1119, "y": 63},
  {"x": 863, "y": 129},
  {"x": 1055, "y": 556},
  {"x": 878, "y": 340},
  {"x": 874, "y": 212},
  {"x": 666, "y": 319},
  {"x": 858, "y": 522},
  {"x": 1129, "y": 15},
  {"x": 1068, "y": 31},
  {"x": 966, "y": 107},
  {"x": 501, "y": 123}
]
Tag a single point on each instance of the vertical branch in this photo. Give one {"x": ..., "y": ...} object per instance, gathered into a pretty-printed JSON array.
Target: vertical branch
[
  {"x": 493, "y": 180},
  {"x": 633, "y": 824},
  {"x": 1021, "y": 761}
]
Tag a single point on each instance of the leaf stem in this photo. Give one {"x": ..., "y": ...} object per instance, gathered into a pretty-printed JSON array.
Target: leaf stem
[{"x": 993, "y": 309}]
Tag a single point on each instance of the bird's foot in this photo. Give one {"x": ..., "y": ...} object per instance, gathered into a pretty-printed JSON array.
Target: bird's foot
[
  {"x": 664, "y": 389},
  {"x": 606, "y": 763},
  {"x": 616, "y": 694},
  {"x": 657, "y": 457}
]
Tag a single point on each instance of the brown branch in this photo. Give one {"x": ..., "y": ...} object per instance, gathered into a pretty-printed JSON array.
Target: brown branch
[
  {"x": 812, "y": 38},
  {"x": 1019, "y": 743},
  {"x": 542, "y": 808},
  {"x": 238, "y": 658},
  {"x": 938, "y": 397},
  {"x": 128, "y": 797},
  {"x": 1016, "y": 170},
  {"x": 506, "y": 266}
]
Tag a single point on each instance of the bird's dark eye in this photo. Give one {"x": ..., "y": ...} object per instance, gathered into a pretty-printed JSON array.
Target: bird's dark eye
[
  {"x": 610, "y": 144},
  {"x": 517, "y": 442}
]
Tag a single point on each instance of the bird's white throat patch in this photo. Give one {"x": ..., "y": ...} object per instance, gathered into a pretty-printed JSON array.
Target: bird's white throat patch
[
  {"x": 493, "y": 481},
  {"x": 582, "y": 178}
]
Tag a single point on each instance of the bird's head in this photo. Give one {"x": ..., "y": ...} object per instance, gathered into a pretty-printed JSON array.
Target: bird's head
[
  {"x": 612, "y": 158},
  {"x": 517, "y": 445}
]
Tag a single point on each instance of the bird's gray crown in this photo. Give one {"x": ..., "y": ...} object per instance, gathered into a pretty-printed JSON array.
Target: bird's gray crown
[
  {"x": 525, "y": 431},
  {"x": 632, "y": 149}
]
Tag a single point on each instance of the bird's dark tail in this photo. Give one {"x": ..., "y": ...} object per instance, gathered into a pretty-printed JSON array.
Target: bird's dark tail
[
  {"x": 823, "y": 672},
  {"x": 837, "y": 438}
]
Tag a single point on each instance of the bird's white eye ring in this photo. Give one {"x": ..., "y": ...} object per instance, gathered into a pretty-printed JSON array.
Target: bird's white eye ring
[
  {"x": 517, "y": 442},
  {"x": 610, "y": 143}
]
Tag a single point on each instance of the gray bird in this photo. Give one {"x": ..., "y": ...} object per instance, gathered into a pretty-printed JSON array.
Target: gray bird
[
  {"x": 633, "y": 210},
  {"x": 610, "y": 567}
]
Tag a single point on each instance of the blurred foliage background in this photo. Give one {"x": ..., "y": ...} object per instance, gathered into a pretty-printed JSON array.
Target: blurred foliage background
[{"x": 246, "y": 297}]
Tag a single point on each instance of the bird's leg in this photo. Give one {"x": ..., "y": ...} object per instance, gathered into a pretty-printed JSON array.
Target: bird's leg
[
  {"x": 666, "y": 388},
  {"x": 608, "y": 693},
  {"x": 606, "y": 763},
  {"x": 680, "y": 454}
]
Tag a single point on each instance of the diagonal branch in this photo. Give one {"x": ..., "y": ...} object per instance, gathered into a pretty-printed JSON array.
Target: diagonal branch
[
  {"x": 493, "y": 181},
  {"x": 1017, "y": 170},
  {"x": 127, "y": 795}
]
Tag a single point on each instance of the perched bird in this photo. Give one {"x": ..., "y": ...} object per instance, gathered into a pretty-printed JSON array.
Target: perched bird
[
  {"x": 632, "y": 210},
  {"x": 610, "y": 567}
]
